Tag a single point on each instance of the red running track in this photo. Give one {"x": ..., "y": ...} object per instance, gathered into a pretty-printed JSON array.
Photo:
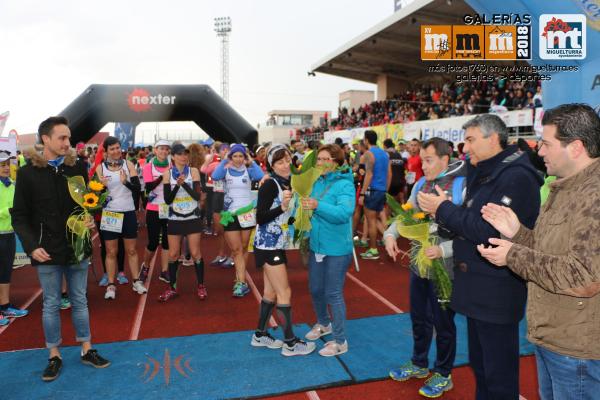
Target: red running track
[{"x": 380, "y": 288}]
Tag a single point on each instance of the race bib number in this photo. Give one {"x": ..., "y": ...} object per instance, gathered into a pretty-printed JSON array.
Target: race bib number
[
  {"x": 111, "y": 221},
  {"x": 219, "y": 186},
  {"x": 248, "y": 219},
  {"x": 411, "y": 177},
  {"x": 163, "y": 211},
  {"x": 184, "y": 205}
]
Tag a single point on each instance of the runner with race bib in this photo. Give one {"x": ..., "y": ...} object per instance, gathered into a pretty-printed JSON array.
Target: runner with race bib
[
  {"x": 118, "y": 215},
  {"x": 182, "y": 193},
  {"x": 157, "y": 211},
  {"x": 238, "y": 171}
]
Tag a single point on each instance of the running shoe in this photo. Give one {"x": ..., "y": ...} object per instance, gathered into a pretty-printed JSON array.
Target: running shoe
[
  {"x": 103, "y": 280},
  {"x": 188, "y": 262},
  {"x": 4, "y": 321},
  {"x": 167, "y": 295},
  {"x": 218, "y": 261},
  {"x": 407, "y": 371},
  {"x": 371, "y": 254},
  {"x": 436, "y": 386},
  {"x": 266, "y": 340},
  {"x": 298, "y": 348},
  {"x": 144, "y": 270},
  {"x": 228, "y": 263},
  {"x": 111, "y": 292},
  {"x": 122, "y": 279},
  {"x": 361, "y": 243},
  {"x": 240, "y": 289},
  {"x": 52, "y": 369},
  {"x": 164, "y": 276},
  {"x": 65, "y": 303},
  {"x": 333, "y": 348},
  {"x": 202, "y": 292},
  {"x": 13, "y": 312},
  {"x": 138, "y": 286},
  {"x": 94, "y": 359},
  {"x": 317, "y": 331}
]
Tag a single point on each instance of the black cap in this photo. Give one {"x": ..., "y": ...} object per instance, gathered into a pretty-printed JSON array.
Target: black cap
[{"x": 179, "y": 149}]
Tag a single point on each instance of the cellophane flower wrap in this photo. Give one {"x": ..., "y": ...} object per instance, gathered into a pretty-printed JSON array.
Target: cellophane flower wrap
[
  {"x": 302, "y": 182},
  {"x": 415, "y": 226},
  {"x": 90, "y": 200}
]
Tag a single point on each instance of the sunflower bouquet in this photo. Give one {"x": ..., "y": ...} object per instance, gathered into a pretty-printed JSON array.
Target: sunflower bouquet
[
  {"x": 415, "y": 226},
  {"x": 90, "y": 200}
]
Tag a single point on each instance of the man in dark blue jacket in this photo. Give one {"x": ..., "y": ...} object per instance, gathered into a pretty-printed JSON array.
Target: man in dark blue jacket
[{"x": 492, "y": 299}]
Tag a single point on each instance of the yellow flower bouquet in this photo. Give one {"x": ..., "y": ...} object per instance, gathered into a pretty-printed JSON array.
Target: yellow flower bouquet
[
  {"x": 90, "y": 199},
  {"x": 415, "y": 226}
]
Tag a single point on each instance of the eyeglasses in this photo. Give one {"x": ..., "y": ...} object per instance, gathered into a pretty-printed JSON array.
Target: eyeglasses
[{"x": 324, "y": 159}]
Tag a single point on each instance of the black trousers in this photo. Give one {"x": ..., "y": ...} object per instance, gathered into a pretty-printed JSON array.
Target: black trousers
[
  {"x": 8, "y": 245},
  {"x": 425, "y": 314},
  {"x": 494, "y": 358}
]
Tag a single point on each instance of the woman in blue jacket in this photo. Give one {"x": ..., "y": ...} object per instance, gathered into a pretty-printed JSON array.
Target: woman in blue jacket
[{"x": 333, "y": 201}]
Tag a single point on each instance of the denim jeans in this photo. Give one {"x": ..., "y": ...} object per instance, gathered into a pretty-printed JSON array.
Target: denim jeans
[
  {"x": 425, "y": 314},
  {"x": 50, "y": 277},
  {"x": 326, "y": 283},
  {"x": 566, "y": 378}
]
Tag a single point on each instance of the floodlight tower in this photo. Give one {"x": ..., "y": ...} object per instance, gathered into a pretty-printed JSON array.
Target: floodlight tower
[{"x": 223, "y": 29}]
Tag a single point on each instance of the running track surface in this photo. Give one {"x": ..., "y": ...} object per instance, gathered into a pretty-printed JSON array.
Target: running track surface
[{"x": 380, "y": 288}]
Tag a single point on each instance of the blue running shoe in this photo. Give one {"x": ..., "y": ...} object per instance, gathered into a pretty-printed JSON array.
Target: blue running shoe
[
  {"x": 407, "y": 371},
  {"x": 436, "y": 386},
  {"x": 240, "y": 289},
  {"x": 13, "y": 312},
  {"x": 4, "y": 321},
  {"x": 103, "y": 280},
  {"x": 122, "y": 279}
]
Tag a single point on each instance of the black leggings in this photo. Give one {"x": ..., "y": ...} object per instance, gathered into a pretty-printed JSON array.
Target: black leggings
[
  {"x": 120, "y": 252},
  {"x": 156, "y": 227},
  {"x": 7, "y": 256}
]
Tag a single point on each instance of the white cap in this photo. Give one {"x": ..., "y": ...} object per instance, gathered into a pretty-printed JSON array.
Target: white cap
[
  {"x": 5, "y": 155},
  {"x": 163, "y": 142}
]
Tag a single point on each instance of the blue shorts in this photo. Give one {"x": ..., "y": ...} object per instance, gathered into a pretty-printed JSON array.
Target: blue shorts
[{"x": 374, "y": 200}]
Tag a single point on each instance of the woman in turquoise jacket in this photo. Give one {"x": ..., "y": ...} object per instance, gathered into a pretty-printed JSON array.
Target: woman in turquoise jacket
[
  {"x": 333, "y": 201},
  {"x": 7, "y": 242}
]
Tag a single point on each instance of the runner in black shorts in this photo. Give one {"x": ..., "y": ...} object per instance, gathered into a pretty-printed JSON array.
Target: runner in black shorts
[
  {"x": 270, "y": 242},
  {"x": 118, "y": 214}
]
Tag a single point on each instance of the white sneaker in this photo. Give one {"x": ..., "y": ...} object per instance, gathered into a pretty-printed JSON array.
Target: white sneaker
[
  {"x": 317, "y": 331},
  {"x": 111, "y": 292},
  {"x": 139, "y": 287},
  {"x": 299, "y": 348},
  {"x": 333, "y": 348},
  {"x": 266, "y": 341}
]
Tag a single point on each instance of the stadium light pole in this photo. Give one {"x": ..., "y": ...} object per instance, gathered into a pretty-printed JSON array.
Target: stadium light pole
[{"x": 223, "y": 29}]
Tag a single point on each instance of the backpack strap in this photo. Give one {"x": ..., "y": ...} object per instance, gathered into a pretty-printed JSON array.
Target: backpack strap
[
  {"x": 419, "y": 184},
  {"x": 457, "y": 190}
]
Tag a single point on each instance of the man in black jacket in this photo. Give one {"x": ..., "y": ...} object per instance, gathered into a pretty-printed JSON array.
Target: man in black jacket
[
  {"x": 42, "y": 205},
  {"x": 492, "y": 299}
]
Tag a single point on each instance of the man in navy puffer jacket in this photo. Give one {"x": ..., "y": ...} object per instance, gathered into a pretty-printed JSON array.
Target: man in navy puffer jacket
[{"x": 493, "y": 299}]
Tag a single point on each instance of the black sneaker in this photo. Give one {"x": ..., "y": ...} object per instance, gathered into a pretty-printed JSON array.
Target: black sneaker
[
  {"x": 94, "y": 359},
  {"x": 52, "y": 370}
]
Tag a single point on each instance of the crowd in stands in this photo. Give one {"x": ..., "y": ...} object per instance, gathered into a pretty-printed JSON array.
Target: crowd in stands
[{"x": 449, "y": 100}]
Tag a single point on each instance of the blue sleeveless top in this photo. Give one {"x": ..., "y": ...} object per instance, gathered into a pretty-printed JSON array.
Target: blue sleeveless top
[{"x": 380, "y": 169}]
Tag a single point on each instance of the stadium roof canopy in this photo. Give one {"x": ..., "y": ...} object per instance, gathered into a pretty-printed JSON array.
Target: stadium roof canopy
[{"x": 393, "y": 47}]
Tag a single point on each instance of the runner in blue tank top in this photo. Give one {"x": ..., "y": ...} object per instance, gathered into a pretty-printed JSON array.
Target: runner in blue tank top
[{"x": 377, "y": 181}]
